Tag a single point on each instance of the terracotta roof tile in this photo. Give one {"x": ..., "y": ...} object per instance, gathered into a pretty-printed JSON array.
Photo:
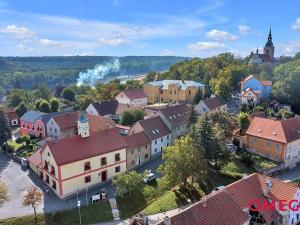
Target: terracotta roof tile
[
  {"x": 266, "y": 82},
  {"x": 134, "y": 94},
  {"x": 36, "y": 158},
  {"x": 154, "y": 127},
  {"x": 284, "y": 131},
  {"x": 97, "y": 123},
  {"x": 137, "y": 140},
  {"x": 176, "y": 115},
  {"x": 76, "y": 148},
  {"x": 214, "y": 102}
]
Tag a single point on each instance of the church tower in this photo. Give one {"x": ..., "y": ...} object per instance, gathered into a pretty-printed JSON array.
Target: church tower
[
  {"x": 269, "y": 48},
  {"x": 83, "y": 125}
]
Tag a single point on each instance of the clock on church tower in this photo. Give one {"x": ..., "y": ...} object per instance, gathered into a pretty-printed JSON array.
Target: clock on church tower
[{"x": 83, "y": 125}]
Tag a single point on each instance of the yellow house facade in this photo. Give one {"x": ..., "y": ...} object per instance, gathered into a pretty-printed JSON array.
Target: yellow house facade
[
  {"x": 77, "y": 163},
  {"x": 172, "y": 90}
]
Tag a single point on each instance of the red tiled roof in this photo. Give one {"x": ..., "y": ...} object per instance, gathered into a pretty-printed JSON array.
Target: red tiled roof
[
  {"x": 215, "y": 209},
  {"x": 12, "y": 115},
  {"x": 96, "y": 123},
  {"x": 226, "y": 206},
  {"x": 177, "y": 114},
  {"x": 214, "y": 102},
  {"x": 134, "y": 94},
  {"x": 282, "y": 131},
  {"x": 154, "y": 127},
  {"x": 266, "y": 82},
  {"x": 66, "y": 121},
  {"x": 75, "y": 148},
  {"x": 137, "y": 140}
]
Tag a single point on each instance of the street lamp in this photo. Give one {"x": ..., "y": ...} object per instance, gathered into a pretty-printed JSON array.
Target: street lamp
[{"x": 78, "y": 205}]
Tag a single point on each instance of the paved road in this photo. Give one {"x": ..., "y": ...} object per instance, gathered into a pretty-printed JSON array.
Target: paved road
[
  {"x": 290, "y": 175},
  {"x": 18, "y": 181}
]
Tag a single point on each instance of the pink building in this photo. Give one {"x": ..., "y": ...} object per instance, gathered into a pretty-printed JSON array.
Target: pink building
[{"x": 27, "y": 122}]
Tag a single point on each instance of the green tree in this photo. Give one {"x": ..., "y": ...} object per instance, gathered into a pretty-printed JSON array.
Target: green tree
[
  {"x": 132, "y": 116},
  {"x": 54, "y": 104},
  {"x": 44, "y": 106},
  {"x": 151, "y": 76},
  {"x": 5, "y": 132},
  {"x": 221, "y": 87},
  {"x": 285, "y": 114},
  {"x": 128, "y": 183},
  {"x": 68, "y": 94},
  {"x": 192, "y": 119},
  {"x": 183, "y": 162},
  {"x": 44, "y": 92},
  {"x": 37, "y": 104},
  {"x": 21, "y": 109},
  {"x": 15, "y": 97},
  {"x": 243, "y": 121},
  {"x": 3, "y": 193},
  {"x": 207, "y": 141},
  {"x": 198, "y": 97}
]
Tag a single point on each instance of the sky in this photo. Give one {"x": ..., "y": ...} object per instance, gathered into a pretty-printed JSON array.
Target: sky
[{"x": 195, "y": 28}]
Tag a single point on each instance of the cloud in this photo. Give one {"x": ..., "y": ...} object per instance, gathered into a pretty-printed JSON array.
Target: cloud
[
  {"x": 24, "y": 48},
  {"x": 296, "y": 25},
  {"x": 114, "y": 41},
  {"x": 288, "y": 48},
  {"x": 219, "y": 35},
  {"x": 19, "y": 32},
  {"x": 202, "y": 45},
  {"x": 167, "y": 52},
  {"x": 244, "y": 29},
  {"x": 50, "y": 43}
]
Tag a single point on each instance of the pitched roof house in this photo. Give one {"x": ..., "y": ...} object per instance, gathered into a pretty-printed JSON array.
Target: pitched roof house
[
  {"x": 231, "y": 205},
  {"x": 156, "y": 130},
  {"x": 12, "y": 116},
  {"x": 65, "y": 125},
  {"x": 72, "y": 164},
  {"x": 212, "y": 104},
  {"x": 275, "y": 139},
  {"x": 132, "y": 97},
  {"x": 138, "y": 149},
  {"x": 175, "y": 117},
  {"x": 27, "y": 122},
  {"x": 111, "y": 108}
]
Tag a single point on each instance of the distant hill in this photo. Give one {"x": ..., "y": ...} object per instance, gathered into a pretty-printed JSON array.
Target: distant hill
[{"x": 29, "y": 72}]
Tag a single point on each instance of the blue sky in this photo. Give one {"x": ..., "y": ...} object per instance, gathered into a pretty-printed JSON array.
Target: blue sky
[{"x": 146, "y": 27}]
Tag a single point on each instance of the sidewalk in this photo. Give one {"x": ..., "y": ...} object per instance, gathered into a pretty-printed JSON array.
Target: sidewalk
[{"x": 152, "y": 219}]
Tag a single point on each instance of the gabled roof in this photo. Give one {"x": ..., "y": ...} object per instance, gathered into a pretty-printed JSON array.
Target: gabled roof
[
  {"x": 36, "y": 158},
  {"x": 66, "y": 121},
  {"x": 177, "y": 114},
  {"x": 183, "y": 85},
  {"x": 248, "y": 89},
  {"x": 11, "y": 114},
  {"x": 154, "y": 127},
  {"x": 263, "y": 82},
  {"x": 31, "y": 116},
  {"x": 106, "y": 107},
  {"x": 249, "y": 78},
  {"x": 134, "y": 94},
  {"x": 46, "y": 117},
  {"x": 75, "y": 148},
  {"x": 266, "y": 82},
  {"x": 137, "y": 140},
  {"x": 284, "y": 131},
  {"x": 214, "y": 102},
  {"x": 97, "y": 123},
  {"x": 227, "y": 206}
]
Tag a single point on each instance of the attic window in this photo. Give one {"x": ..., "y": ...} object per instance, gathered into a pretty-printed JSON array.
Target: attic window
[
  {"x": 157, "y": 131},
  {"x": 274, "y": 133},
  {"x": 259, "y": 130},
  {"x": 153, "y": 131},
  {"x": 170, "y": 117}
]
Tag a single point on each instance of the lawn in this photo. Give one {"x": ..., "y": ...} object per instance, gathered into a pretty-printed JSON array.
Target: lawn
[
  {"x": 236, "y": 166},
  {"x": 100, "y": 212},
  {"x": 14, "y": 146},
  {"x": 263, "y": 163}
]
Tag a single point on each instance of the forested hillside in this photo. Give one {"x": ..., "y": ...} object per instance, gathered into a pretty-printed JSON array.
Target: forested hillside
[{"x": 29, "y": 72}]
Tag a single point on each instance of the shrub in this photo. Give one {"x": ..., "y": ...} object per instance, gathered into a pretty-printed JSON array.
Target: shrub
[
  {"x": 247, "y": 159},
  {"x": 232, "y": 175}
]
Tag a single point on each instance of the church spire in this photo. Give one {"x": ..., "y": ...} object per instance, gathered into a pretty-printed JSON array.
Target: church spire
[{"x": 270, "y": 34}]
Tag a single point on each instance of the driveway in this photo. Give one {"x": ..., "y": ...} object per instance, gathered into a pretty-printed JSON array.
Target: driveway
[{"x": 19, "y": 180}]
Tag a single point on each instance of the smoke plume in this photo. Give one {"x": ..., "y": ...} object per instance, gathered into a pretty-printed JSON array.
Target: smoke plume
[{"x": 92, "y": 76}]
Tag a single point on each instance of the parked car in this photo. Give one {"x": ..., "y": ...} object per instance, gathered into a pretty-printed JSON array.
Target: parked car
[
  {"x": 231, "y": 147},
  {"x": 149, "y": 177}
]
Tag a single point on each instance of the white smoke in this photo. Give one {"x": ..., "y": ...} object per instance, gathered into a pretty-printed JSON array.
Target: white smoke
[{"x": 92, "y": 76}]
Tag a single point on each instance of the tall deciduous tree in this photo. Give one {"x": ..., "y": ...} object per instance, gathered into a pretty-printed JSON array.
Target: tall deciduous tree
[
  {"x": 243, "y": 121},
  {"x": 33, "y": 198},
  {"x": 183, "y": 162},
  {"x": 128, "y": 183},
  {"x": 44, "y": 106},
  {"x": 54, "y": 104},
  {"x": 68, "y": 94},
  {"x": 5, "y": 132},
  {"x": 21, "y": 109}
]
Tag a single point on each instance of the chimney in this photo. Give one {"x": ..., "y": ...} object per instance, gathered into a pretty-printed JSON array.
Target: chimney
[
  {"x": 268, "y": 186},
  {"x": 167, "y": 221}
]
